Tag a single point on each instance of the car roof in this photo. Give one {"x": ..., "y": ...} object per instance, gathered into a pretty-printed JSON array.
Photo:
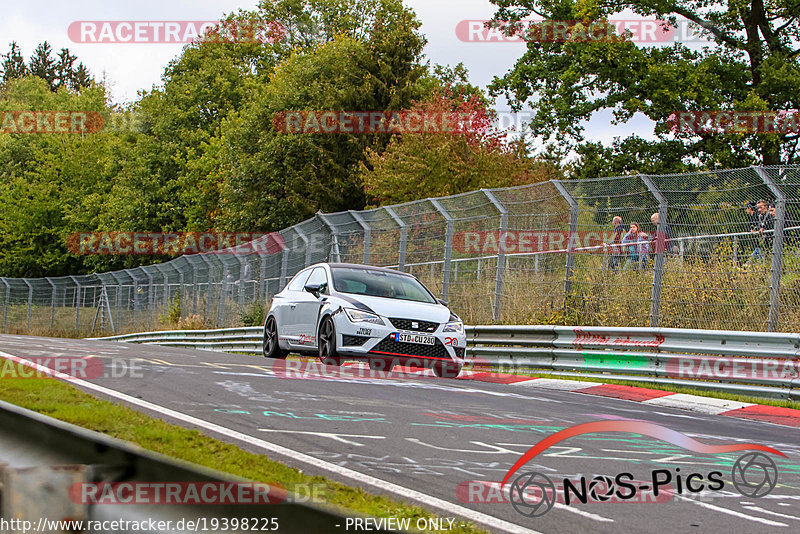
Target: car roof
[{"x": 364, "y": 268}]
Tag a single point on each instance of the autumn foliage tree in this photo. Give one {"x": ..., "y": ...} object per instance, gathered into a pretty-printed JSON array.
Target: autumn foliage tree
[{"x": 472, "y": 155}]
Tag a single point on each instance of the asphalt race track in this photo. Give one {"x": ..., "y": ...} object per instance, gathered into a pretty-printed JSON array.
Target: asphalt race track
[{"x": 443, "y": 442}]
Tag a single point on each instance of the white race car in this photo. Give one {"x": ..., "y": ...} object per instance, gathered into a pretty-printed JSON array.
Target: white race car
[{"x": 339, "y": 311}]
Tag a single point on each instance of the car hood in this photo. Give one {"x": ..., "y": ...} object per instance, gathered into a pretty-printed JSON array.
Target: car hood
[{"x": 404, "y": 309}]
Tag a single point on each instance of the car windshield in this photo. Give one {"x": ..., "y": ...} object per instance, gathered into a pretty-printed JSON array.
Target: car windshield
[{"x": 380, "y": 284}]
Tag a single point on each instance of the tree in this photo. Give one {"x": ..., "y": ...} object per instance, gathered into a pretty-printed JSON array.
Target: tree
[
  {"x": 473, "y": 156},
  {"x": 365, "y": 57},
  {"x": 43, "y": 65},
  {"x": 51, "y": 185},
  {"x": 13, "y": 64},
  {"x": 751, "y": 65}
]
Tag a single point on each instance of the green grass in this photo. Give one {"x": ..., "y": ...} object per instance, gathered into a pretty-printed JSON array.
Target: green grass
[{"x": 66, "y": 403}]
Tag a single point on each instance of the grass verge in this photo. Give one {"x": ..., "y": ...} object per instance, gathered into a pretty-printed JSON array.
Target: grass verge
[{"x": 66, "y": 403}]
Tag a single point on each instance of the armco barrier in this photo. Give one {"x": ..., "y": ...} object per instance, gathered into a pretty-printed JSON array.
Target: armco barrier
[
  {"x": 761, "y": 364},
  {"x": 45, "y": 465}
]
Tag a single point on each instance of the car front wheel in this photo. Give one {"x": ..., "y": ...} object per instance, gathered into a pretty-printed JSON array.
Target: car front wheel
[
  {"x": 327, "y": 343},
  {"x": 447, "y": 369}
]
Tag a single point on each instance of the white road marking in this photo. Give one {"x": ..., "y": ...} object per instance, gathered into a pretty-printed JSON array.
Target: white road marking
[
  {"x": 408, "y": 493},
  {"x": 732, "y": 512},
  {"x": 553, "y": 383},
  {"x": 336, "y": 437},
  {"x": 762, "y": 510},
  {"x": 696, "y": 403},
  {"x": 583, "y": 513}
]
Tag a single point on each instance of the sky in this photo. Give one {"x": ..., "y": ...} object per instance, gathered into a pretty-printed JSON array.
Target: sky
[{"x": 130, "y": 67}]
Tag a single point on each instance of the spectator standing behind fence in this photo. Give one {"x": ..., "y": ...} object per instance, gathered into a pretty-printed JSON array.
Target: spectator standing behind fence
[
  {"x": 636, "y": 247},
  {"x": 752, "y": 227},
  {"x": 662, "y": 242},
  {"x": 766, "y": 223},
  {"x": 616, "y": 247}
]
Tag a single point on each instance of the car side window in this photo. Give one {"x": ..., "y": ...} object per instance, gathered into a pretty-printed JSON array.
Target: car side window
[
  {"x": 299, "y": 281},
  {"x": 319, "y": 276}
]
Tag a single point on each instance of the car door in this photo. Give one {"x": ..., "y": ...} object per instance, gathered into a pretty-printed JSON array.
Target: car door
[
  {"x": 285, "y": 312},
  {"x": 308, "y": 306}
]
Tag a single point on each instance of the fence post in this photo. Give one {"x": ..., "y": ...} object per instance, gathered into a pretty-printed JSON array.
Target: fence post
[
  {"x": 367, "y": 233},
  {"x": 661, "y": 245},
  {"x": 150, "y": 299},
  {"x": 401, "y": 253},
  {"x": 30, "y": 301},
  {"x": 5, "y": 307},
  {"x": 223, "y": 295},
  {"x": 52, "y": 304},
  {"x": 448, "y": 247},
  {"x": 777, "y": 250},
  {"x": 209, "y": 285},
  {"x": 244, "y": 269},
  {"x": 335, "y": 256},
  {"x": 569, "y": 265},
  {"x": 77, "y": 304},
  {"x": 501, "y": 256},
  {"x": 284, "y": 267},
  {"x": 307, "y": 243}
]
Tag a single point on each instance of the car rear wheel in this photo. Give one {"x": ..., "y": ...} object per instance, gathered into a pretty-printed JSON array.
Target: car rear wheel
[
  {"x": 271, "y": 347},
  {"x": 327, "y": 343}
]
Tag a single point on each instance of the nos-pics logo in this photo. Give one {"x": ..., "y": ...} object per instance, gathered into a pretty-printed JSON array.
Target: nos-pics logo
[{"x": 533, "y": 494}]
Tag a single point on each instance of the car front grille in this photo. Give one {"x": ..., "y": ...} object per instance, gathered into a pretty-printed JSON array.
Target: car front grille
[
  {"x": 412, "y": 349},
  {"x": 409, "y": 324},
  {"x": 460, "y": 351},
  {"x": 353, "y": 341}
]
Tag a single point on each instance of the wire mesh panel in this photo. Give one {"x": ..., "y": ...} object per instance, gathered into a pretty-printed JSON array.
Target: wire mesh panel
[{"x": 717, "y": 249}]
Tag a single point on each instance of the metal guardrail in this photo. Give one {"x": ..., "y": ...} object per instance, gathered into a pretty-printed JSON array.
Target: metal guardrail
[
  {"x": 761, "y": 364},
  {"x": 43, "y": 463}
]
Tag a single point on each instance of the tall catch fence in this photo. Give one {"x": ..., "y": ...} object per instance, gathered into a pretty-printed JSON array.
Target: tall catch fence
[{"x": 544, "y": 253}]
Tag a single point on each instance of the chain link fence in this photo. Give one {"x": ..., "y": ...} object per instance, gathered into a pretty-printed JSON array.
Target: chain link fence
[{"x": 547, "y": 253}]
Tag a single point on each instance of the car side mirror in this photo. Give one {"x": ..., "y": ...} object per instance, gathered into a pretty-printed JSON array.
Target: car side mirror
[{"x": 314, "y": 289}]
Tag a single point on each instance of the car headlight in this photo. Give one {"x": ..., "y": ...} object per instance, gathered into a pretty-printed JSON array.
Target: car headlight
[
  {"x": 454, "y": 326},
  {"x": 358, "y": 316}
]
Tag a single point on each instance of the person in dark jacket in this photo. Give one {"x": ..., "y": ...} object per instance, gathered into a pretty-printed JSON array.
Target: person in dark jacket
[{"x": 616, "y": 245}]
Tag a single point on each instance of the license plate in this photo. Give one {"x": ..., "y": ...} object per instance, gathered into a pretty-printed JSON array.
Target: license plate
[{"x": 415, "y": 338}]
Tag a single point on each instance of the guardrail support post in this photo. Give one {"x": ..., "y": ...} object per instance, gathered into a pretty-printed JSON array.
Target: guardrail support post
[
  {"x": 5, "y": 307},
  {"x": 401, "y": 253},
  {"x": 661, "y": 245},
  {"x": 777, "y": 249},
  {"x": 448, "y": 247},
  {"x": 501, "y": 256},
  {"x": 334, "y": 255},
  {"x": 569, "y": 265},
  {"x": 367, "y": 233}
]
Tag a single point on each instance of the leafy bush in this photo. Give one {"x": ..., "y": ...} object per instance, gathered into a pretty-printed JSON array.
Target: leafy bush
[{"x": 253, "y": 314}]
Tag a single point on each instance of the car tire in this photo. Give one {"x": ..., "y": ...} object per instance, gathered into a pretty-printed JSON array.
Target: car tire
[
  {"x": 447, "y": 369},
  {"x": 327, "y": 343},
  {"x": 271, "y": 347}
]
